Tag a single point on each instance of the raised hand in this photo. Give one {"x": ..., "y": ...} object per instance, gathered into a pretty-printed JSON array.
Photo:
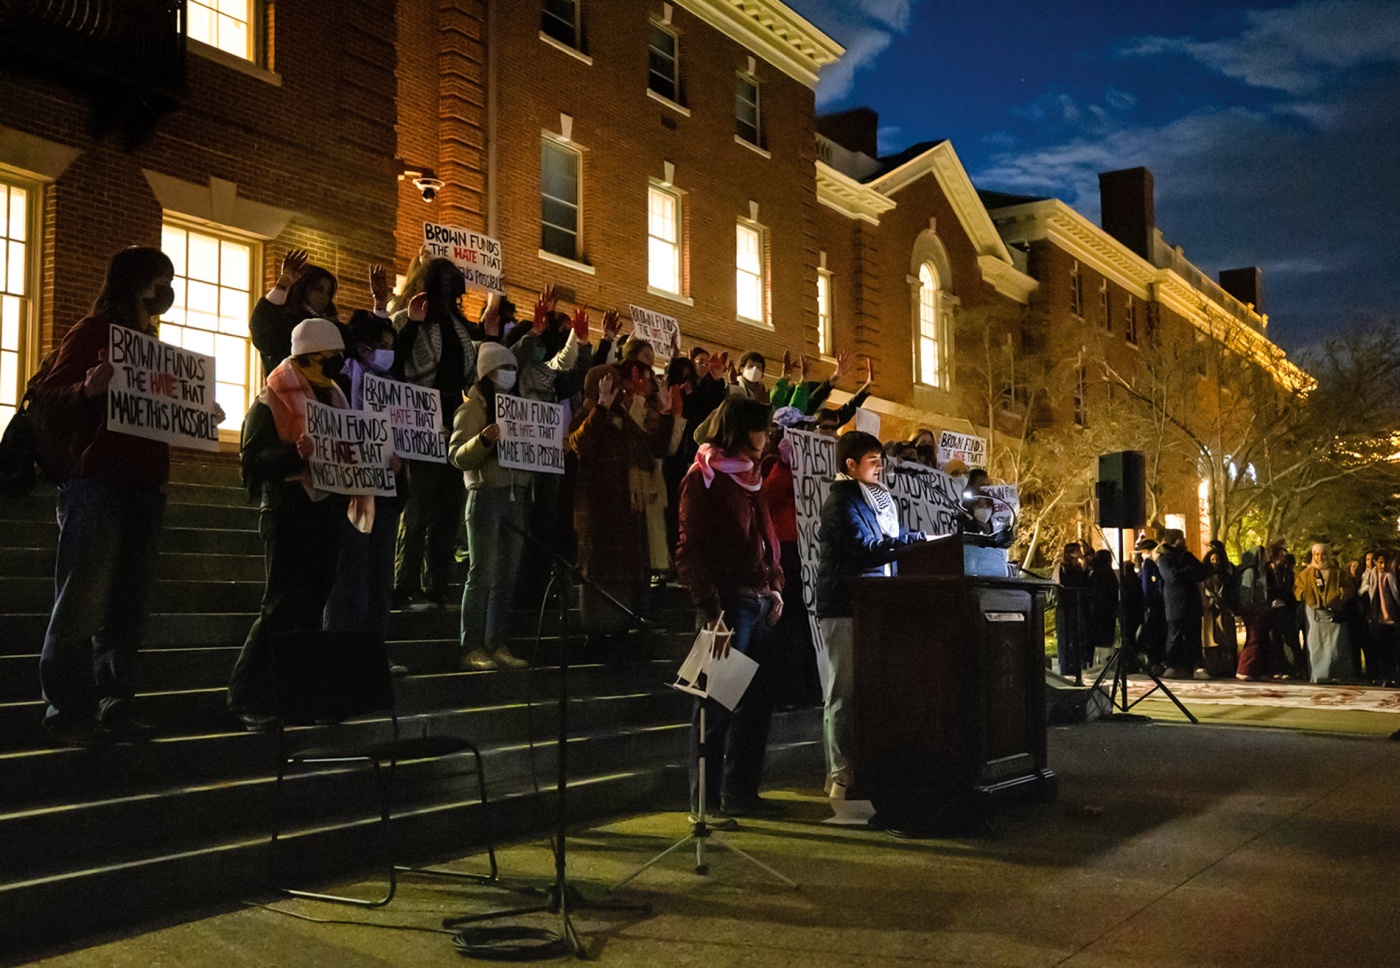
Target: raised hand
[
  {"x": 97, "y": 377},
  {"x": 718, "y": 361},
  {"x": 787, "y": 362},
  {"x": 379, "y": 286},
  {"x": 612, "y": 324},
  {"x": 293, "y": 265},
  {"x": 581, "y": 324},
  {"x": 418, "y": 307},
  {"x": 544, "y": 305},
  {"x": 607, "y": 393},
  {"x": 491, "y": 318},
  {"x": 803, "y": 362},
  {"x": 843, "y": 364}
]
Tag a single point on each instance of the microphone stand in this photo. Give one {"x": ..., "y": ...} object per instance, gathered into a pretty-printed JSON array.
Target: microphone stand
[{"x": 561, "y": 897}]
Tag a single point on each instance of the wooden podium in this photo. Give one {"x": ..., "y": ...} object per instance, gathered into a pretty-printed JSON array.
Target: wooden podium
[{"x": 949, "y": 685}]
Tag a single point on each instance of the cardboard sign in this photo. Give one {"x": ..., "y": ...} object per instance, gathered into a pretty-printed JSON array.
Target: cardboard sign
[
  {"x": 662, "y": 332},
  {"x": 967, "y": 448},
  {"x": 532, "y": 434},
  {"x": 415, "y": 417},
  {"x": 1007, "y": 506},
  {"x": 477, "y": 255},
  {"x": 161, "y": 392},
  {"x": 351, "y": 451}
]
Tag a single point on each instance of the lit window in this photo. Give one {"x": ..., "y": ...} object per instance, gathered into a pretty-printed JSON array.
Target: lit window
[
  {"x": 15, "y": 305},
  {"x": 213, "y": 299},
  {"x": 664, "y": 240},
  {"x": 560, "y": 21},
  {"x": 934, "y": 330},
  {"x": 662, "y": 76},
  {"x": 746, "y": 110},
  {"x": 225, "y": 24},
  {"x": 824, "y": 337},
  {"x": 748, "y": 276},
  {"x": 559, "y": 199},
  {"x": 1076, "y": 291}
]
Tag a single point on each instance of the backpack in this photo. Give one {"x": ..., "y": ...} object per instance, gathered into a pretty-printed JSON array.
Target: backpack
[{"x": 31, "y": 447}]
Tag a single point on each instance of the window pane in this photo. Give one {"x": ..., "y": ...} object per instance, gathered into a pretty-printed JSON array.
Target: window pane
[
  {"x": 19, "y": 214},
  {"x": 746, "y": 108},
  {"x": 558, "y": 241},
  {"x": 558, "y": 215},
  {"x": 233, "y": 36},
  {"x": 172, "y": 243},
  {"x": 558, "y": 200},
  {"x": 11, "y": 322},
  {"x": 234, "y": 263},
  {"x": 9, "y": 376},
  {"x": 663, "y": 266},
  {"x": 203, "y": 258},
  {"x": 14, "y": 277},
  {"x": 662, "y": 223},
  {"x": 560, "y": 21},
  {"x": 661, "y": 62},
  {"x": 199, "y": 21},
  {"x": 559, "y": 173}
]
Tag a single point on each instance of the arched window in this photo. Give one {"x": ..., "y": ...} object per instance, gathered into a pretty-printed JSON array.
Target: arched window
[
  {"x": 931, "y": 305},
  {"x": 933, "y": 336}
]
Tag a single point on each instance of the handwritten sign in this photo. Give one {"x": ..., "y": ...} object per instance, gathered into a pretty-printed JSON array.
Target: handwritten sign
[
  {"x": 351, "y": 450},
  {"x": 1006, "y": 506},
  {"x": 662, "y": 332},
  {"x": 161, "y": 392},
  {"x": 927, "y": 499},
  {"x": 415, "y": 417},
  {"x": 967, "y": 448},
  {"x": 532, "y": 434},
  {"x": 477, "y": 255}
]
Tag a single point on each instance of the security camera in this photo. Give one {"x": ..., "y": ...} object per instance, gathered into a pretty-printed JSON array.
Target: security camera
[{"x": 429, "y": 186}]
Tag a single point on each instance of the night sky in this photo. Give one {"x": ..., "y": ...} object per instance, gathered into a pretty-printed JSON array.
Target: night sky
[{"x": 1272, "y": 129}]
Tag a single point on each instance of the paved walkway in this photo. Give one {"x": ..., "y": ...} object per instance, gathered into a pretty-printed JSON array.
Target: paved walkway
[{"x": 1170, "y": 845}]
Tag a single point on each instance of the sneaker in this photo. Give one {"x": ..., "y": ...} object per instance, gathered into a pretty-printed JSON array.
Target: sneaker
[
  {"x": 126, "y": 728},
  {"x": 396, "y": 670},
  {"x": 716, "y": 820},
  {"x": 259, "y": 722},
  {"x": 505, "y": 660},
  {"x": 477, "y": 659},
  {"x": 81, "y": 733}
]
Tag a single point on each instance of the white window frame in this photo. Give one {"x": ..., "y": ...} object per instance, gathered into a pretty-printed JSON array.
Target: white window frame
[
  {"x": 934, "y": 318},
  {"x": 576, "y": 42},
  {"x": 747, "y": 78},
  {"x": 675, "y": 95},
  {"x": 751, "y": 278},
  {"x": 171, "y": 331},
  {"x": 219, "y": 19},
  {"x": 673, "y": 247},
  {"x": 548, "y": 143},
  {"x": 19, "y": 289},
  {"x": 826, "y": 313}
]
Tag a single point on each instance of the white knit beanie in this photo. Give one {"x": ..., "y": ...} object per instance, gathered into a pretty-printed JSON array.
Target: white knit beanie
[
  {"x": 317, "y": 336},
  {"x": 491, "y": 357}
]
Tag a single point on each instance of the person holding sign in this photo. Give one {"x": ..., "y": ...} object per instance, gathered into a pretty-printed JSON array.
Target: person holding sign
[
  {"x": 434, "y": 349},
  {"x": 301, "y": 526},
  {"x": 728, "y": 558},
  {"x": 498, "y": 505},
  {"x": 860, "y": 537},
  {"x": 111, "y": 504}
]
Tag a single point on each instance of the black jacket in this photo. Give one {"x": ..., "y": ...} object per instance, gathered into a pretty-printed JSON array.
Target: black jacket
[
  {"x": 1181, "y": 583},
  {"x": 852, "y": 546}
]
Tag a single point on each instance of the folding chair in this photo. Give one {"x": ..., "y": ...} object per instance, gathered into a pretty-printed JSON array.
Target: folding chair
[{"x": 323, "y": 679}]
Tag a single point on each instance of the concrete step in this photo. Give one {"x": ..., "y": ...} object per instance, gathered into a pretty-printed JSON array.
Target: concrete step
[
  {"x": 170, "y": 595},
  {"x": 235, "y": 515},
  {"x": 191, "y": 468},
  {"x": 200, "y": 566}
]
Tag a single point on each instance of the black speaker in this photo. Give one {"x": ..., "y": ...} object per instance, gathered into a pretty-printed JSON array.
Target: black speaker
[{"x": 1122, "y": 490}]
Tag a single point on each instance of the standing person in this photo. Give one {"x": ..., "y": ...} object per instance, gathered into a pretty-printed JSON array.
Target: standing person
[
  {"x": 1152, "y": 638},
  {"x": 1356, "y": 612},
  {"x": 1262, "y": 656},
  {"x": 1220, "y": 656},
  {"x": 1181, "y": 598},
  {"x": 1130, "y": 588},
  {"x": 302, "y": 291},
  {"x": 1103, "y": 606},
  {"x": 1325, "y": 589},
  {"x": 1284, "y": 610},
  {"x": 497, "y": 509},
  {"x": 1384, "y": 630},
  {"x": 434, "y": 350},
  {"x": 728, "y": 559},
  {"x": 749, "y": 381},
  {"x": 110, "y": 508},
  {"x": 1072, "y": 584},
  {"x": 860, "y": 536},
  {"x": 301, "y": 527}
]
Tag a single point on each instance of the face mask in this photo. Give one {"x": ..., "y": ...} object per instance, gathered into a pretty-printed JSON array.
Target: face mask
[
  {"x": 331, "y": 366},
  {"x": 983, "y": 515},
  {"x": 536, "y": 352},
  {"x": 504, "y": 379},
  {"x": 381, "y": 361},
  {"x": 753, "y": 374},
  {"x": 160, "y": 302}
]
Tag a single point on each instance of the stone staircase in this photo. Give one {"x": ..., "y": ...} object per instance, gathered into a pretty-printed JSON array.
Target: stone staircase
[{"x": 91, "y": 839}]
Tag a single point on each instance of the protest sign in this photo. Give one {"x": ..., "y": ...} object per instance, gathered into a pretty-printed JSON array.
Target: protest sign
[
  {"x": 868, "y": 421},
  {"x": 532, "y": 434},
  {"x": 160, "y": 392},
  {"x": 477, "y": 255},
  {"x": 928, "y": 501},
  {"x": 351, "y": 450},
  {"x": 415, "y": 417},
  {"x": 1006, "y": 506},
  {"x": 662, "y": 332},
  {"x": 967, "y": 448}
]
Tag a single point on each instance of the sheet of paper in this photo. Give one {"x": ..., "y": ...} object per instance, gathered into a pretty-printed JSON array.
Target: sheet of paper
[
  {"x": 694, "y": 663},
  {"x": 851, "y": 812},
  {"x": 727, "y": 679}
]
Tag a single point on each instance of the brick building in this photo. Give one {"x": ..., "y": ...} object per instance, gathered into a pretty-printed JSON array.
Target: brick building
[{"x": 277, "y": 132}]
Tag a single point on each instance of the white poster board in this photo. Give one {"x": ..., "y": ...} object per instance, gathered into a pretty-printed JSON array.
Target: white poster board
[
  {"x": 477, "y": 255},
  {"x": 969, "y": 449},
  {"x": 351, "y": 451},
  {"x": 532, "y": 434},
  {"x": 662, "y": 332},
  {"x": 161, "y": 392},
  {"x": 415, "y": 417},
  {"x": 1007, "y": 503}
]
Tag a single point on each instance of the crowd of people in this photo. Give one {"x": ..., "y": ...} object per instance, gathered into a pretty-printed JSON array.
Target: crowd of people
[{"x": 1322, "y": 622}]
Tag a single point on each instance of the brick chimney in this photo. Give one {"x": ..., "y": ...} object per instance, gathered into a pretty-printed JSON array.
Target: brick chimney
[
  {"x": 1246, "y": 285},
  {"x": 1126, "y": 208},
  {"x": 854, "y": 130}
]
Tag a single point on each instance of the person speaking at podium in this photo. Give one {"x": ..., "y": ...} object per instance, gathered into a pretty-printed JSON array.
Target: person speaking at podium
[{"x": 860, "y": 536}]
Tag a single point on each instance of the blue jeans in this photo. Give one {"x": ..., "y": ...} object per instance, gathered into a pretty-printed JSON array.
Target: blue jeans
[
  {"x": 495, "y": 549},
  {"x": 108, "y": 542},
  {"x": 736, "y": 740},
  {"x": 364, "y": 576}
]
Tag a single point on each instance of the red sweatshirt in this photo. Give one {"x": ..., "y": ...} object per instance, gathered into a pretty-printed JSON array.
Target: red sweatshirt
[{"x": 727, "y": 541}]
